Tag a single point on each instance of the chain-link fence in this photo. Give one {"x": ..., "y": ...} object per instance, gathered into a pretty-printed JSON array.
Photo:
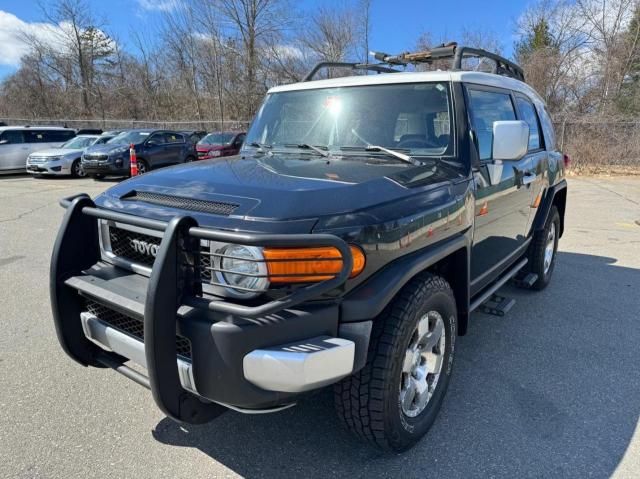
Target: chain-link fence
[
  {"x": 600, "y": 146},
  {"x": 206, "y": 125}
]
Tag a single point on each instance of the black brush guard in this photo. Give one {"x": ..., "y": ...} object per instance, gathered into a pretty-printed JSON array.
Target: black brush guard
[{"x": 171, "y": 284}]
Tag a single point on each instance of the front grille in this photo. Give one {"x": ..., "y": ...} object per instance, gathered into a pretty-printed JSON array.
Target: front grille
[
  {"x": 123, "y": 245},
  {"x": 38, "y": 159},
  {"x": 201, "y": 206},
  {"x": 132, "y": 326},
  {"x": 95, "y": 158}
]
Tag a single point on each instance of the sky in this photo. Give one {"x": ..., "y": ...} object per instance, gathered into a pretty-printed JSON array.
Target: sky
[{"x": 396, "y": 24}]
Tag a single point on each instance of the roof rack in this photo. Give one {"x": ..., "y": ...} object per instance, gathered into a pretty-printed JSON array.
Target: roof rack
[
  {"x": 374, "y": 67},
  {"x": 501, "y": 66}
]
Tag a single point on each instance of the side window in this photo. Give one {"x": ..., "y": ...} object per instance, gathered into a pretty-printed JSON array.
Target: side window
[
  {"x": 11, "y": 137},
  {"x": 156, "y": 139},
  {"x": 240, "y": 139},
  {"x": 528, "y": 113},
  {"x": 55, "y": 136},
  {"x": 485, "y": 107},
  {"x": 547, "y": 129},
  {"x": 34, "y": 136},
  {"x": 173, "y": 138}
]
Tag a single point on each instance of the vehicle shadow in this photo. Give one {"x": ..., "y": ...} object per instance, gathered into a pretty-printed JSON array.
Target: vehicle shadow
[{"x": 551, "y": 389}]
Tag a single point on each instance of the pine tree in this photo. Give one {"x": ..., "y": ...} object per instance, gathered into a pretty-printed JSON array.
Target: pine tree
[{"x": 537, "y": 40}]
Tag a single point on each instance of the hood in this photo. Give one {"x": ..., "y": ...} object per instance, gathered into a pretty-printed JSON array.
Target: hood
[
  {"x": 56, "y": 152},
  {"x": 285, "y": 188},
  {"x": 106, "y": 148}
]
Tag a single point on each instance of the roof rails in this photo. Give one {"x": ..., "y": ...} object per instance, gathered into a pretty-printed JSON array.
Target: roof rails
[{"x": 500, "y": 65}]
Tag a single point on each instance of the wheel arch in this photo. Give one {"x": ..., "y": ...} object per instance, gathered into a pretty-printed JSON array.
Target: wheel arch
[
  {"x": 450, "y": 259},
  {"x": 555, "y": 195}
]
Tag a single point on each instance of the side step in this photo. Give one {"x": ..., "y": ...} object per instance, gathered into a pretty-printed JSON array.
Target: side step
[
  {"x": 527, "y": 281},
  {"x": 497, "y": 305},
  {"x": 488, "y": 293}
]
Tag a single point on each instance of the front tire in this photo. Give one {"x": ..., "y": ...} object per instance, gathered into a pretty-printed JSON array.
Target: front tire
[
  {"x": 143, "y": 167},
  {"x": 393, "y": 401},
  {"x": 76, "y": 170}
]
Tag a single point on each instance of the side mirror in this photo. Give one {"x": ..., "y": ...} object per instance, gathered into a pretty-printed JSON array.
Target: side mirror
[{"x": 510, "y": 140}]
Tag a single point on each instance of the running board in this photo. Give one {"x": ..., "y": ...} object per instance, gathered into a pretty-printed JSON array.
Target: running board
[{"x": 489, "y": 292}]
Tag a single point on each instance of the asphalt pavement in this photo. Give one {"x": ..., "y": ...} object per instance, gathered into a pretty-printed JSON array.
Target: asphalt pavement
[{"x": 550, "y": 390}]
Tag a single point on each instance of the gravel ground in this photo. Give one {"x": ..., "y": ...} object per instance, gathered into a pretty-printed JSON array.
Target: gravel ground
[{"x": 550, "y": 390}]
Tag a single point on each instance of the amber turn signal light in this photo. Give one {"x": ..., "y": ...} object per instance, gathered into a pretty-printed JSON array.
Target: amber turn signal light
[{"x": 304, "y": 265}]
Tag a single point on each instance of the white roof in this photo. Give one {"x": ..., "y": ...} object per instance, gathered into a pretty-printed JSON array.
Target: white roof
[{"x": 480, "y": 78}]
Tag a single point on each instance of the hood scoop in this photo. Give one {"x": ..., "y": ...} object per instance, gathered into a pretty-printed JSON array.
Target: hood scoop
[{"x": 191, "y": 204}]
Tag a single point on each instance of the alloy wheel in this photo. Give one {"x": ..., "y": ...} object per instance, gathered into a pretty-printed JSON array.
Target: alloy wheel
[{"x": 422, "y": 364}]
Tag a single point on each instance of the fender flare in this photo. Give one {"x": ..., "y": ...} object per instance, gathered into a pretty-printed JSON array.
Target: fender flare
[
  {"x": 548, "y": 201},
  {"x": 370, "y": 298}
]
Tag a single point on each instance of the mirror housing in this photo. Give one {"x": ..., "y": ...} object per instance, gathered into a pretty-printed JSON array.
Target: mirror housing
[{"x": 510, "y": 139}]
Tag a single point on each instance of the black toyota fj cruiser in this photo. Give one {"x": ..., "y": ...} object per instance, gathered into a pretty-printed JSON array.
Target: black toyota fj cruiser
[{"x": 363, "y": 221}]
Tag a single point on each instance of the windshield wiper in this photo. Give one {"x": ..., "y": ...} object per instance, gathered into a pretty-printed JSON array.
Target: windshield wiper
[
  {"x": 259, "y": 146},
  {"x": 321, "y": 150},
  {"x": 396, "y": 154}
]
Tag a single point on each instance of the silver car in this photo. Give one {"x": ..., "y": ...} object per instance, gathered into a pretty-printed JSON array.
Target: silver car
[
  {"x": 64, "y": 160},
  {"x": 17, "y": 142}
]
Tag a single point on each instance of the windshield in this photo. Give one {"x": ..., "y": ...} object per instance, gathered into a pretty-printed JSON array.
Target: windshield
[
  {"x": 127, "y": 137},
  {"x": 216, "y": 139},
  {"x": 79, "y": 142},
  {"x": 412, "y": 117}
]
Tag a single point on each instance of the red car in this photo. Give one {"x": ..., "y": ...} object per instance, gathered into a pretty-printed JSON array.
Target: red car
[{"x": 220, "y": 143}]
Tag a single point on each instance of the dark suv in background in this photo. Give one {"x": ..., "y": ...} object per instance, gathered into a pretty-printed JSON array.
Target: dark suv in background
[
  {"x": 219, "y": 144},
  {"x": 154, "y": 149}
]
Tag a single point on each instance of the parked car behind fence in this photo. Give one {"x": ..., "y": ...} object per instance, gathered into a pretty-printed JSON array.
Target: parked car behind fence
[
  {"x": 154, "y": 149},
  {"x": 64, "y": 160},
  {"x": 17, "y": 142},
  {"x": 219, "y": 144}
]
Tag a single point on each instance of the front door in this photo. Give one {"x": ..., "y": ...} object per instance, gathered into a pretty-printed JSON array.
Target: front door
[{"x": 503, "y": 194}]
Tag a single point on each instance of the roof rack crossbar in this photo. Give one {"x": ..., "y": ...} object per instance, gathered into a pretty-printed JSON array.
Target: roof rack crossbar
[
  {"x": 456, "y": 53},
  {"x": 374, "y": 67}
]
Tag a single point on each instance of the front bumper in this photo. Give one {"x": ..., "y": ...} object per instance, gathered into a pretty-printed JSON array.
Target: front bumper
[
  {"x": 103, "y": 168},
  {"x": 248, "y": 357},
  {"x": 56, "y": 167}
]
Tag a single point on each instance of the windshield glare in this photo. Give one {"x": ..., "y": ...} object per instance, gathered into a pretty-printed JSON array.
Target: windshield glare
[
  {"x": 127, "y": 137},
  {"x": 414, "y": 117},
  {"x": 217, "y": 139},
  {"x": 79, "y": 142}
]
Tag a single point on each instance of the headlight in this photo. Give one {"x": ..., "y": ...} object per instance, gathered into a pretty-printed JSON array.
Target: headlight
[{"x": 242, "y": 267}]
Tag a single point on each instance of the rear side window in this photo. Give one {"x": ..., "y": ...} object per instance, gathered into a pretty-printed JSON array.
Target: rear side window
[
  {"x": 547, "y": 128},
  {"x": 528, "y": 114},
  {"x": 48, "y": 136},
  {"x": 485, "y": 107},
  {"x": 11, "y": 137},
  {"x": 174, "y": 138}
]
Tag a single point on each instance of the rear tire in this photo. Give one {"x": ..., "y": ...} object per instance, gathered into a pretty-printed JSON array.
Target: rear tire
[
  {"x": 393, "y": 401},
  {"x": 544, "y": 246}
]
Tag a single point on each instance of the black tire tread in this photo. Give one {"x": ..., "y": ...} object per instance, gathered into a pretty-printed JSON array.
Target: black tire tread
[
  {"x": 359, "y": 398},
  {"x": 536, "y": 253}
]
